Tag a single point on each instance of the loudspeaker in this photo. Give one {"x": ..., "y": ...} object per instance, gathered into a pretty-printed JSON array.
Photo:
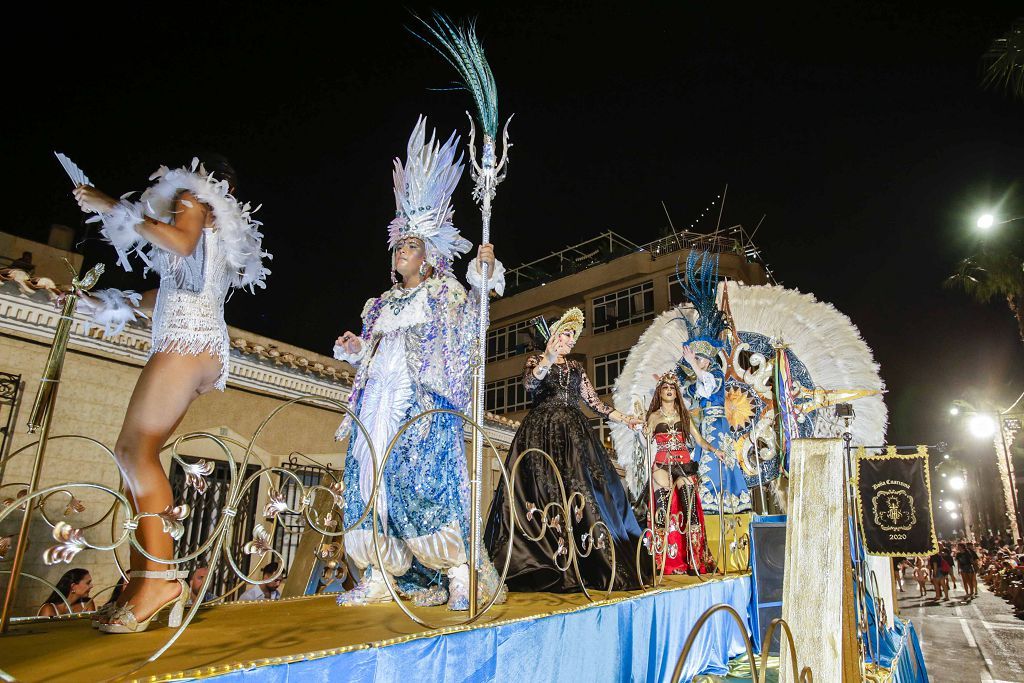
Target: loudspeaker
[{"x": 767, "y": 550}]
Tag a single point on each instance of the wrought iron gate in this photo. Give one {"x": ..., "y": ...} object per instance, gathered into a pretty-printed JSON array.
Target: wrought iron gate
[
  {"x": 10, "y": 392},
  {"x": 206, "y": 511},
  {"x": 290, "y": 525}
]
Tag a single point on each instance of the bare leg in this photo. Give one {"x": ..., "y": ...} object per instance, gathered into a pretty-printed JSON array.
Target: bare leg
[{"x": 167, "y": 386}]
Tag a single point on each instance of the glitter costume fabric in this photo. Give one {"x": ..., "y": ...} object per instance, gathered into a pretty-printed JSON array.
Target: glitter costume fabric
[
  {"x": 557, "y": 426},
  {"x": 717, "y": 478},
  {"x": 678, "y": 509},
  {"x": 415, "y": 357},
  {"x": 189, "y": 313}
]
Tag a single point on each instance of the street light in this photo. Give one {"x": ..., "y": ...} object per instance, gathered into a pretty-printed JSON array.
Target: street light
[
  {"x": 984, "y": 425},
  {"x": 981, "y": 426},
  {"x": 949, "y": 505},
  {"x": 954, "y": 411},
  {"x": 987, "y": 220},
  {"x": 953, "y": 515},
  {"x": 957, "y": 483}
]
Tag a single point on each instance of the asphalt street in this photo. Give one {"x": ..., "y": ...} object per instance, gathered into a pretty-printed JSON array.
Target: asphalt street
[{"x": 980, "y": 640}]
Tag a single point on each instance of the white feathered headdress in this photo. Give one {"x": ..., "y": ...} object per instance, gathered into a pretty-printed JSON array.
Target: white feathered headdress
[{"x": 423, "y": 192}]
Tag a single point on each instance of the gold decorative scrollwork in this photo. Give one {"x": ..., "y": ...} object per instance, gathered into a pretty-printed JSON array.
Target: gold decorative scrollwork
[{"x": 758, "y": 667}]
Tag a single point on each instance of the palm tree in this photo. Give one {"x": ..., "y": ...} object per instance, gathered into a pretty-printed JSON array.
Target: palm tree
[
  {"x": 991, "y": 274},
  {"x": 1004, "y": 62}
]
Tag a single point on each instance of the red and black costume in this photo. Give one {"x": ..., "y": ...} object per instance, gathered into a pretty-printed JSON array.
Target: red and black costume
[{"x": 678, "y": 509}]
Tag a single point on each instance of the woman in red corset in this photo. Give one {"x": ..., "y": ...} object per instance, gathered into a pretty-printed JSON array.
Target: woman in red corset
[{"x": 674, "y": 481}]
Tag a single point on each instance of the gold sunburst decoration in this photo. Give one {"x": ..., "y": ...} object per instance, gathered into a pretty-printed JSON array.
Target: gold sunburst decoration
[{"x": 739, "y": 410}]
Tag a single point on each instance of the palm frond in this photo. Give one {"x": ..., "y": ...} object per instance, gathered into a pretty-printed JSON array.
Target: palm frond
[
  {"x": 1004, "y": 62},
  {"x": 460, "y": 47},
  {"x": 989, "y": 275}
]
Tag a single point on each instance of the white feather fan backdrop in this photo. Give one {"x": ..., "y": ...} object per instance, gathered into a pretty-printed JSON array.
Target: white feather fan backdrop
[{"x": 823, "y": 339}]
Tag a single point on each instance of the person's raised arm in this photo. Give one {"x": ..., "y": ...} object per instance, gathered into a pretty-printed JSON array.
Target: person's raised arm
[{"x": 179, "y": 238}]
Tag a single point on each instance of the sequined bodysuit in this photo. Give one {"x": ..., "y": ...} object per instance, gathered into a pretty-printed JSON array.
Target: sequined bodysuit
[{"x": 189, "y": 313}]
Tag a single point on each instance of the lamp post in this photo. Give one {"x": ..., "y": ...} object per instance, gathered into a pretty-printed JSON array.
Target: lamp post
[{"x": 984, "y": 424}]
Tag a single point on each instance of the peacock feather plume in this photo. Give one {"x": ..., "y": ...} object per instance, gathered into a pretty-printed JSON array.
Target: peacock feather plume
[
  {"x": 460, "y": 47},
  {"x": 700, "y": 287}
]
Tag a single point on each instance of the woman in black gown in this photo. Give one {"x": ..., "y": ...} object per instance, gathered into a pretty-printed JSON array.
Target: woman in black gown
[{"x": 557, "y": 426}]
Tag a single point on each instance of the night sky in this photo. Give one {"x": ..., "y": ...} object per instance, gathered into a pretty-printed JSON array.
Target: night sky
[{"x": 859, "y": 130}]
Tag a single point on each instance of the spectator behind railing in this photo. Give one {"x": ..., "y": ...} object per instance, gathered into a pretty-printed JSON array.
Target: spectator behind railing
[
  {"x": 75, "y": 586},
  {"x": 265, "y": 591}
]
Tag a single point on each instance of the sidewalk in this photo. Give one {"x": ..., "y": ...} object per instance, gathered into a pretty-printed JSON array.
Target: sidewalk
[{"x": 963, "y": 643}]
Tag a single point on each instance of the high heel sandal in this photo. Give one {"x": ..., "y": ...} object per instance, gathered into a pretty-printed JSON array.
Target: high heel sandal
[
  {"x": 123, "y": 619},
  {"x": 104, "y": 612}
]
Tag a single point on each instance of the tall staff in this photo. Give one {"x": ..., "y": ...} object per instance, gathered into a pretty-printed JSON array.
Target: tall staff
[{"x": 461, "y": 48}]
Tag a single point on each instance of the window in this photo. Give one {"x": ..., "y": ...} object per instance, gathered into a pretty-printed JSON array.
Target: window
[
  {"x": 625, "y": 307},
  {"x": 505, "y": 395},
  {"x": 607, "y": 369},
  {"x": 508, "y": 341}
]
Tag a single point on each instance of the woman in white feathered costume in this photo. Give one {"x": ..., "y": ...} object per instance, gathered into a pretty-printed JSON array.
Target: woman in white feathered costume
[
  {"x": 414, "y": 355},
  {"x": 190, "y": 229}
]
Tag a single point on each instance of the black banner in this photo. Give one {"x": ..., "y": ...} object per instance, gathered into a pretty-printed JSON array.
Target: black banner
[{"x": 894, "y": 503}]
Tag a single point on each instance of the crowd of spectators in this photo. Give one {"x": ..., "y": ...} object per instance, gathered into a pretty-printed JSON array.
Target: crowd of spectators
[
  {"x": 1002, "y": 570},
  {"x": 993, "y": 557}
]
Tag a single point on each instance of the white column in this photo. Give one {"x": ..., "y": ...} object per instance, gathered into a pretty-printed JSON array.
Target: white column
[{"x": 812, "y": 589}]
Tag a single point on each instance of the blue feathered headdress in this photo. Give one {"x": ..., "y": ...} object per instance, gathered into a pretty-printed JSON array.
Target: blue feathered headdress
[{"x": 700, "y": 287}]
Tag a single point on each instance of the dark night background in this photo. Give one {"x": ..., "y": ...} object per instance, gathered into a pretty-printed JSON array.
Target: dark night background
[{"x": 860, "y": 130}]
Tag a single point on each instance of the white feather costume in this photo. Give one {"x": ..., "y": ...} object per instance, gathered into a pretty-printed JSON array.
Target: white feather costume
[
  {"x": 189, "y": 313},
  {"x": 824, "y": 340}
]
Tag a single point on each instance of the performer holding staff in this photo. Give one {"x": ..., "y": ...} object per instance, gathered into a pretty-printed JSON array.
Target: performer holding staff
[
  {"x": 191, "y": 230},
  {"x": 413, "y": 356},
  {"x": 677, "y": 518},
  {"x": 557, "y": 426}
]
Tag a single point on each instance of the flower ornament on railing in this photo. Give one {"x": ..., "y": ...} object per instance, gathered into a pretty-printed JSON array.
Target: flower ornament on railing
[
  {"x": 337, "y": 490},
  {"x": 5, "y": 546},
  {"x": 196, "y": 474},
  {"x": 328, "y": 550},
  {"x": 260, "y": 542},
  {"x": 172, "y": 517},
  {"x": 276, "y": 504},
  {"x": 531, "y": 510},
  {"x": 7, "y": 502},
  {"x": 74, "y": 507},
  {"x": 72, "y": 542}
]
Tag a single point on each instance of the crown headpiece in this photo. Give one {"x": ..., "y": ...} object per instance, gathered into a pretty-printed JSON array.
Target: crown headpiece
[
  {"x": 669, "y": 377},
  {"x": 705, "y": 347},
  {"x": 572, "y": 320},
  {"x": 423, "y": 192}
]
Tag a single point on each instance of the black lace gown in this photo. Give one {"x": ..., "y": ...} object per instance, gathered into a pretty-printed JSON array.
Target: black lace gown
[{"x": 557, "y": 425}]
